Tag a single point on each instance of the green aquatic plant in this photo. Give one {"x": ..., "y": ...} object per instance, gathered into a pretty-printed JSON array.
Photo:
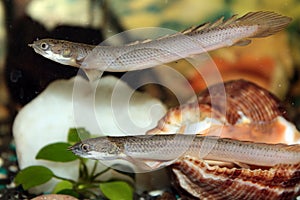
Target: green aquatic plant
[{"x": 87, "y": 185}]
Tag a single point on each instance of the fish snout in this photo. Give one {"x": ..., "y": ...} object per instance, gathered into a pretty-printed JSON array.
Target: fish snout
[
  {"x": 70, "y": 148},
  {"x": 74, "y": 149}
]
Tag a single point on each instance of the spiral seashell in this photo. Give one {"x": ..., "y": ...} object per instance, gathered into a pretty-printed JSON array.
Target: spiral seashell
[
  {"x": 198, "y": 180},
  {"x": 239, "y": 110},
  {"x": 243, "y": 98},
  {"x": 236, "y": 109}
]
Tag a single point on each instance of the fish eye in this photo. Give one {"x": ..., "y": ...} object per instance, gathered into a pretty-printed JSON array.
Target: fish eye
[
  {"x": 44, "y": 45},
  {"x": 85, "y": 147}
]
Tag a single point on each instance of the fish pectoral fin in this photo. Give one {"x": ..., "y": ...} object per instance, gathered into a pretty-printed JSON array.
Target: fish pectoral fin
[
  {"x": 158, "y": 164},
  {"x": 79, "y": 62},
  {"x": 93, "y": 74},
  {"x": 139, "y": 164},
  {"x": 148, "y": 165}
]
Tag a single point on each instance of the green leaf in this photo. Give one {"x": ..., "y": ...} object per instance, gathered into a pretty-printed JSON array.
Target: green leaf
[
  {"x": 65, "y": 187},
  {"x": 57, "y": 152},
  {"x": 77, "y": 134},
  {"x": 33, "y": 176},
  {"x": 62, "y": 185},
  {"x": 117, "y": 190}
]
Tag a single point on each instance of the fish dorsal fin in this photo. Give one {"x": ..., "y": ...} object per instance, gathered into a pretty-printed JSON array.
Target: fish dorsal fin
[
  {"x": 218, "y": 22},
  {"x": 229, "y": 21},
  {"x": 149, "y": 40},
  {"x": 139, "y": 42},
  {"x": 268, "y": 23},
  {"x": 207, "y": 26},
  {"x": 196, "y": 28},
  {"x": 133, "y": 43}
]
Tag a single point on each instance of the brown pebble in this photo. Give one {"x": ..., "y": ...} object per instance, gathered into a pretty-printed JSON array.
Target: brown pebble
[{"x": 54, "y": 197}]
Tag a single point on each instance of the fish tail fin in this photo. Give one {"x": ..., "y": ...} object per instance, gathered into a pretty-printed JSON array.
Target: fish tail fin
[{"x": 268, "y": 22}]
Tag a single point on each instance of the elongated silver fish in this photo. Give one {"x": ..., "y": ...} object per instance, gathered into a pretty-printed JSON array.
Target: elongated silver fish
[
  {"x": 150, "y": 53},
  {"x": 164, "y": 149}
]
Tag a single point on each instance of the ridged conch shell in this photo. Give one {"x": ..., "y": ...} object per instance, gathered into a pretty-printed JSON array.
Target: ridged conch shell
[
  {"x": 240, "y": 110},
  {"x": 214, "y": 182}
]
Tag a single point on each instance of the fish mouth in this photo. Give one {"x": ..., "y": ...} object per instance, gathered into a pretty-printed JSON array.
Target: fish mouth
[
  {"x": 74, "y": 150},
  {"x": 38, "y": 50},
  {"x": 78, "y": 152},
  {"x": 70, "y": 148}
]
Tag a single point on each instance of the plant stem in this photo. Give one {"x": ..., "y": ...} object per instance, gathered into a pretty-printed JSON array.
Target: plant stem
[
  {"x": 85, "y": 173},
  {"x": 99, "y": 173},
  {"x": 94, "y": 169},
  {"x": 64, "y": 179}
]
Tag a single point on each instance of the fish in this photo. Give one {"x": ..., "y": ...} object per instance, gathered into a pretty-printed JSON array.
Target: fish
[
  {"x": 156, "y": 151},
  {"x": 94, "y": 60}
]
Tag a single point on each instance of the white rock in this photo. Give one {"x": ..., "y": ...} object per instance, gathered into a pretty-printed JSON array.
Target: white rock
[{"x": 69, "y": 103}]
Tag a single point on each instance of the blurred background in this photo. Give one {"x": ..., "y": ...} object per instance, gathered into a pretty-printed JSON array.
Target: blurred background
[{"x": 271, "y": 62}]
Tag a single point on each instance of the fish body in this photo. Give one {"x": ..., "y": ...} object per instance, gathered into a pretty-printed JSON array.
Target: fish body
[
  {"x": 150, "y": 53},
  {"x": 165, "y": 149}
]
